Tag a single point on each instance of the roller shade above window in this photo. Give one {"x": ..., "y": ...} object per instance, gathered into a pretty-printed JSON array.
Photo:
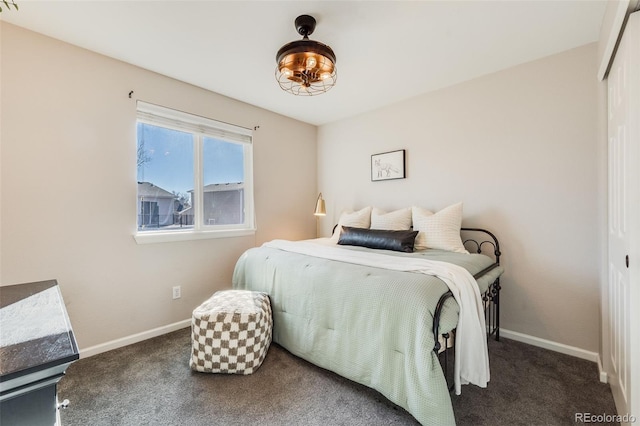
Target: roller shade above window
[{"x": 155, "y": 114}]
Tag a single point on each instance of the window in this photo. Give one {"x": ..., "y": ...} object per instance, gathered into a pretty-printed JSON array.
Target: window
[{"x": 195, "y": 177}]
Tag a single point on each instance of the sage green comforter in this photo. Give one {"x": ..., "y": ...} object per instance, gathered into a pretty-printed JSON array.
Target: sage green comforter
[{"x": 370, "y": 325}]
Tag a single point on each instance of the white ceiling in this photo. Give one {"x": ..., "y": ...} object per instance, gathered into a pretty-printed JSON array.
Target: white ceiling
[{"x": 386, "y": 51}]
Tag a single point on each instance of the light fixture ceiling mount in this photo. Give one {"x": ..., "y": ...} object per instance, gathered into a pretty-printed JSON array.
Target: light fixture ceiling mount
[{"x": 306, "y": 67}]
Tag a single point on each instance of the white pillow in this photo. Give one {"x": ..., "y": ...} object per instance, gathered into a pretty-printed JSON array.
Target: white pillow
[
  {"x": 398, "y": 220},
  {"x": 439, "y": 230},
  {"x": 359, "y": 219}
]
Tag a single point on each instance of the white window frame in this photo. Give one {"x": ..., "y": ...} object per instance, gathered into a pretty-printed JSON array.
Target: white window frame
[{"x": 200, "y": 128}]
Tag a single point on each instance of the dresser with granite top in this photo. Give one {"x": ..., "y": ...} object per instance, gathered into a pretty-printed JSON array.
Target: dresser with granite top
[{"x": 37, "y": 345}]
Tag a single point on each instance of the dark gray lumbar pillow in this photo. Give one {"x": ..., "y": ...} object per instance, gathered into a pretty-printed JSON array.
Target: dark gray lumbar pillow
[{"x": 378, "y": 238}]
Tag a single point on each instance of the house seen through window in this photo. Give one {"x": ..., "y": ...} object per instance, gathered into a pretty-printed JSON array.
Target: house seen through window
[{"x": 194, "y": 174}]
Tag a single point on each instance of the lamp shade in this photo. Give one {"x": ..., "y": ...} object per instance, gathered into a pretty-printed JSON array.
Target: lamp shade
[{"x": 320, "y": 207}]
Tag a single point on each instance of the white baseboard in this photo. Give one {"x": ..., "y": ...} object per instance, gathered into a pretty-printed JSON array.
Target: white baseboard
[
  {"x": 604, "y": 378},
  {"x": 552, "y": 346},
  {"x": 558, "y": 347},
  {"x": 134, "y": 338}
]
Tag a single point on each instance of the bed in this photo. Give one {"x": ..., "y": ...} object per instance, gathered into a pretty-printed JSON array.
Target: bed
[{"x": 386, "y": 329}]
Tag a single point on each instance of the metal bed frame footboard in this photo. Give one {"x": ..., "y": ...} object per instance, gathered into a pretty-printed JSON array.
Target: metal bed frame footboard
[{"x": 490, "y": 298}]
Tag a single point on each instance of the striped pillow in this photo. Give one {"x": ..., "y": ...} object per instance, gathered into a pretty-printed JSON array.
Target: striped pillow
[
  {"x": 398, "y": 220},
  {"x": 439, "y": 230}
]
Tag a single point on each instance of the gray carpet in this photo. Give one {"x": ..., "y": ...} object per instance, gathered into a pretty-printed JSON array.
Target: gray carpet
[{"x": 150, "y": 383}]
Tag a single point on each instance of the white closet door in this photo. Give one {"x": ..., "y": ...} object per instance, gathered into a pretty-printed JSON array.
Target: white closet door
[{"x": 624, "y": 220}]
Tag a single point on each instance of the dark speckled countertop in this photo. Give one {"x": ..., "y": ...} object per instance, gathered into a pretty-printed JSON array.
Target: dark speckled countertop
[{"x": 35, "y": 332}]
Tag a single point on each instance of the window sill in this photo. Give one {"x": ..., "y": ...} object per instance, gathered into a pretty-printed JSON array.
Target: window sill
[{"x": 166, "y": 237}]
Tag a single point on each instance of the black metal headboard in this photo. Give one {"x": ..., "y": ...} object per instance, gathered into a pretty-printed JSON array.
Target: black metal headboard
[
  {"x": 479, "y": 240},
  {"x": 482, "y": 238}
]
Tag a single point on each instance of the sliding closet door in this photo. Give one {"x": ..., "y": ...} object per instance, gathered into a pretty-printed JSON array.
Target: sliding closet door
[{"x": 624, "y": 220}]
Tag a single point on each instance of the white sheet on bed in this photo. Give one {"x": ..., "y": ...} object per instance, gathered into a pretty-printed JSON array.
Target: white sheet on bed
[{"x": 472, "y": 359}]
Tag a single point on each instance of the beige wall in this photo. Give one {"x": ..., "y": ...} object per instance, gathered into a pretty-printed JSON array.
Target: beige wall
[
  {"x": 68, "y": 187},
  {"x": 520, "y": 148}
]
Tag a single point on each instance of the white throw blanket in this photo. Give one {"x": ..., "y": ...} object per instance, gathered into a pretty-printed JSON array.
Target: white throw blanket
[{"x": 472, "y": 358}]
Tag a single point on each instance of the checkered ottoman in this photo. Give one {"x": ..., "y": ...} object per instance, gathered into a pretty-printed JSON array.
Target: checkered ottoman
[{"x": 231, "y": 332}]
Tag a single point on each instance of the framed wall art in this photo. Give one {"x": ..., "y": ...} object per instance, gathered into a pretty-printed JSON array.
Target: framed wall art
[{"x": 388, "y": 165}]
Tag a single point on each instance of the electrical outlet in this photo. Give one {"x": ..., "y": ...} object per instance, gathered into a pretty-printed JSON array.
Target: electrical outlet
[{"x": 177, "y": 292}]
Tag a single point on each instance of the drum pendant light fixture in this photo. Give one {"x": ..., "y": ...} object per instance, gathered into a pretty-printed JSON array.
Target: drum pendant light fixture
[{"x": 306, "y": 67}]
